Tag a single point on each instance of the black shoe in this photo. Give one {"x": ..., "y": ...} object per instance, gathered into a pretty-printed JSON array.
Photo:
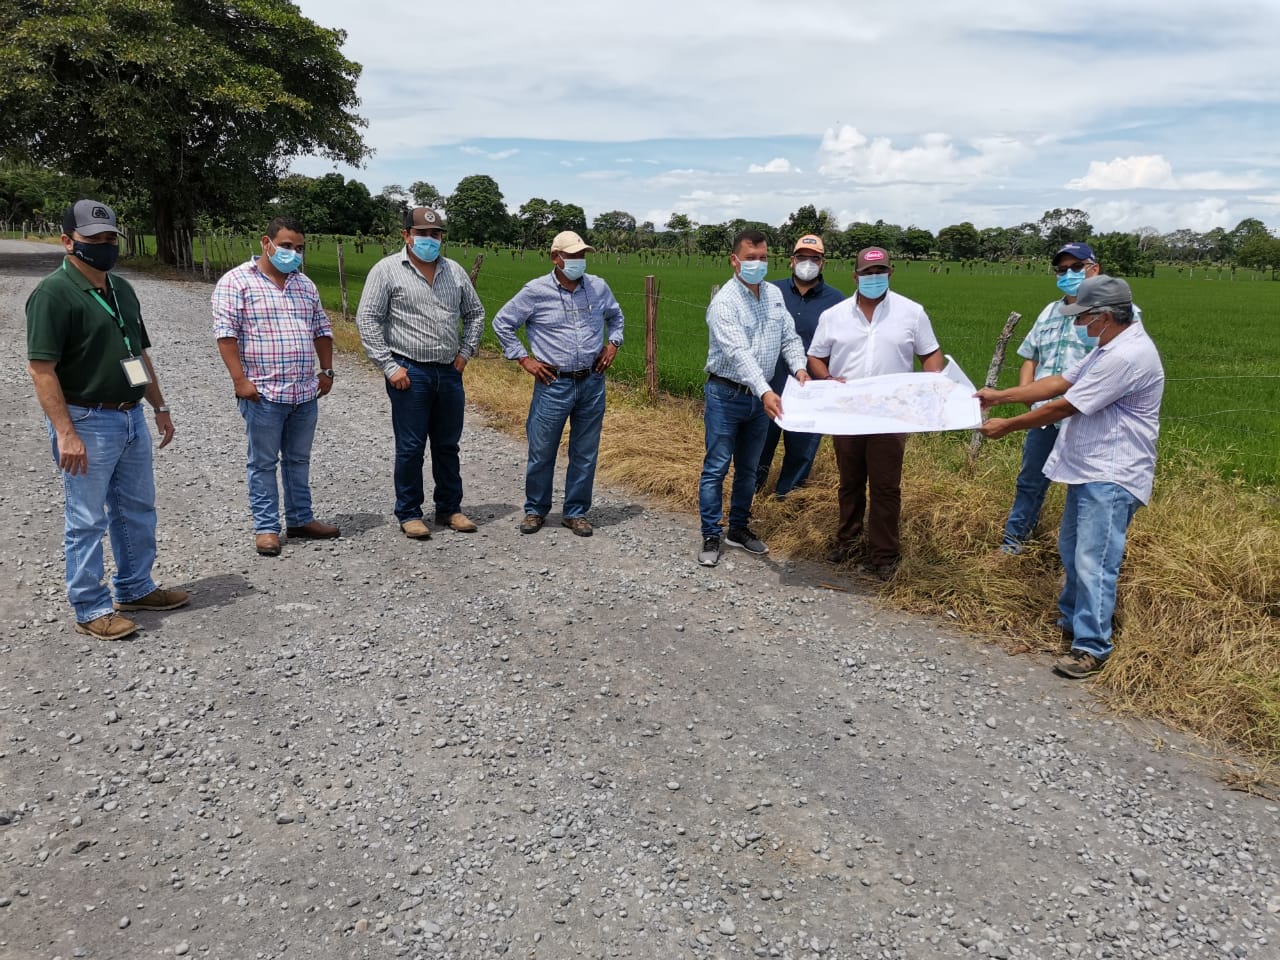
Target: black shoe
[
  {"x": 744, "y": 539},
  {"x": 845, "y": 552},
  {"x": 881, "y": 571},
  {"x": 710, "y": 554}
]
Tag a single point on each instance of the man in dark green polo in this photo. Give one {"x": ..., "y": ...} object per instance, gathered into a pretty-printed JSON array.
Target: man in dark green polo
[{"x": 87, "y": 356}]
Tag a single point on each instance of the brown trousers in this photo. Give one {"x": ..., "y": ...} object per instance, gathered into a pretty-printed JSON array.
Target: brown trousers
[{"x": 874, "y": 461}]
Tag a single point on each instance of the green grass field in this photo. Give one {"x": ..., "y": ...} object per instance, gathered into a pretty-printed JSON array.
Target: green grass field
[{"x": 1217, "y": 336}]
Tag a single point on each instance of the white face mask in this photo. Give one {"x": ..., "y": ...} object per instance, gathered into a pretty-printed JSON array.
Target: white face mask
[{"x": 807, "y": 270}]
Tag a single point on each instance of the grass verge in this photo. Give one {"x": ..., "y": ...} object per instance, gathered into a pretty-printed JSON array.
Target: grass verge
[{"x": 1198, "y": 635}]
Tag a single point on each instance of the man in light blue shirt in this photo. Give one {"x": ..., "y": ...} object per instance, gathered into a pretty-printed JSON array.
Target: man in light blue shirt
[
  {"x": 749, "y": 327},
  {"x": 567, "y": 314},
  {"x": 1109, "y": 403}
]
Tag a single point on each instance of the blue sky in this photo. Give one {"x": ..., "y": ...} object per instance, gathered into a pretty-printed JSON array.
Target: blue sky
[{"x": 925, "y": 112}]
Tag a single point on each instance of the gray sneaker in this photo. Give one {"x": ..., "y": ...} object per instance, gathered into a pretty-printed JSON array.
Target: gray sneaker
[
  {"x": 1078, "y": 664},
  {"x": 744, "y": 539},
  {"x": 710, "y": 554}
]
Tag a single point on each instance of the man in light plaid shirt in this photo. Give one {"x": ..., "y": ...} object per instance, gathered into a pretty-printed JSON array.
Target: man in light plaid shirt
[
  {"x": 271, "y": 331},
  {"x": 1049, "y": 348}
]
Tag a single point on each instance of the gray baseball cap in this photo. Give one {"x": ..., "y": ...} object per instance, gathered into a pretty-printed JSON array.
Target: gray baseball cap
[
  {"x": 90, "y": 218},
  {"x": 1099, "y": 291}
]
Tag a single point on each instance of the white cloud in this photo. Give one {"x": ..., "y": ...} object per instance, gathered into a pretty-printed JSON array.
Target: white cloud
[
  {"x": 1154, "y": 172},
  {"x": 849, "y": 154},
  {"x": 1200, "y": 214},
  {"x": 776, "y": 165},
  {"x": 496, "y": 155},
  {"x": 1271, "y": 199}
]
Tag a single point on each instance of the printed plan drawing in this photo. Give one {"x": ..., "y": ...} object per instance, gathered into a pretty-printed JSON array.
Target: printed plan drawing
[{"x": 895, "y": 403}]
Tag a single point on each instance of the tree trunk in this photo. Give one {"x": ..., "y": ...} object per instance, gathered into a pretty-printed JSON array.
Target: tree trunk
[{"x": 171, "y": 222}]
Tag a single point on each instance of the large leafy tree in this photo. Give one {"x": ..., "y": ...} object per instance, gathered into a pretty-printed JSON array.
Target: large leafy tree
[
  {"x": 959, "y": 241},
  {"x": 477, "y": 213},
  {"x": 199, "y": 104}
]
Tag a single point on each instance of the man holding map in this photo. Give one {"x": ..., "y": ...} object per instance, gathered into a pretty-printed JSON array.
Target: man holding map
[
  {"x": 873, "y": 333},
  {"x": 1109, "y": 405}
]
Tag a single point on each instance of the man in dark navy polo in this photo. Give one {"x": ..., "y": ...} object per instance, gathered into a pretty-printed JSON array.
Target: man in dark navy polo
[{"x": 806, "y": 295}]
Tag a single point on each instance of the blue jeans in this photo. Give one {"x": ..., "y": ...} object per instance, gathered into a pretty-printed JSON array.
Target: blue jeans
[
  {"x": 116, "y": 495},
  {"x": 1031, "y": 487},
  {"x": 798, "y": 451},
  {"x": 1095, "y": 522},
  {"x": 430, "y": 411},
  {"x": 736, "y": 425},
  {"x": 279, "y": 433},
  {"x": 581, "y": 403}
]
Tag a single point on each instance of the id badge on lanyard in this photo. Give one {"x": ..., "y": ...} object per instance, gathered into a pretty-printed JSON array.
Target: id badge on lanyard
[{"x": 135, "y": 369}]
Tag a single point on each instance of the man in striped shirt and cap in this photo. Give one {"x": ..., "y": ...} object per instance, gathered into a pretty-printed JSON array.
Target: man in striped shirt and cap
[
  {"x": 409, "y": 314},
  {"x": 1109, "y": 403}
]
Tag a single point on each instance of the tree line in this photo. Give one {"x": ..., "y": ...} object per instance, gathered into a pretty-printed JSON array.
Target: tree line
[{"x": 185, "y": 116}]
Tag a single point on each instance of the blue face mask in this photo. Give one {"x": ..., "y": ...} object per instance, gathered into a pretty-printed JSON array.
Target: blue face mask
[
  {"x": 426, "y": 249},
  {"x": 1082, "y": 333},
  {"x": 1070, "y": 282},
  {"x": 752, "y": 271},
  {"x": 873, "y": 286},
  {"x": 574, "y": 269},
  {"x": 286, "y": 261}
]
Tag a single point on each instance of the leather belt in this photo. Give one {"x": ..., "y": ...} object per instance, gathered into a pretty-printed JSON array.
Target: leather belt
[
  {"x": 574, "y": 374},
  {"x": 716, "y": 378},
  {"x": 102, "y": 404}
]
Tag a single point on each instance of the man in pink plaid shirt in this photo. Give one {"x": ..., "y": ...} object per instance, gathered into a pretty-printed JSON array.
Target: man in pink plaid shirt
[{"x": 271, "y": 331}]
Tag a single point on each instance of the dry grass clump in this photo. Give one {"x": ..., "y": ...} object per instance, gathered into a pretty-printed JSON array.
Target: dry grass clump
[{"x": 1198, "y": 637}]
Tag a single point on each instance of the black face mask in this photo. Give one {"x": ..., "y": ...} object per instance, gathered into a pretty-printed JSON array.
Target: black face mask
[{"x": 100, "y": 256}]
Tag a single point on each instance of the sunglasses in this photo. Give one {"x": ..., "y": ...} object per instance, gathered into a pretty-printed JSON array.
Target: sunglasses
[{"x": 1061, "y": 268}]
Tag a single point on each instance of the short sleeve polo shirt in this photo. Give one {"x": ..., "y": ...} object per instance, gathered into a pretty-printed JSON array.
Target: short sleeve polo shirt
[{"x": 67, "y": 324}]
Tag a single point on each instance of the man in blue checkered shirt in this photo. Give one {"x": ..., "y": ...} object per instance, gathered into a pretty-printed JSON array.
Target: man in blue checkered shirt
[{"x": 1050, "y": 347}]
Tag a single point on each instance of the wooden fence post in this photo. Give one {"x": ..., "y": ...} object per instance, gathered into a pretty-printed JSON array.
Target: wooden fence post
[
  {"x": 204, "y": 255},
  {"x": 993, "y": 374},
  {"x": 342, "y": 281},
  {"x": 651, "y": 288},
  {"x": 475, "y": 268}
]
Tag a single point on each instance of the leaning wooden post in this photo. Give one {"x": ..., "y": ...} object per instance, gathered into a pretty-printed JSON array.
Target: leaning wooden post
[
  {"x": 475, "y": 268},
  {"x": 651, "y": 287},
  {"x": 993, "y": 375},
  {"x": 342, "y": 281}
]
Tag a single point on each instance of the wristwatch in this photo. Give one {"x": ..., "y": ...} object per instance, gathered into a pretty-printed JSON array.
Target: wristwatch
[
  {"x": 160, "y": 409},
  {"x": 327, "y": 373}
]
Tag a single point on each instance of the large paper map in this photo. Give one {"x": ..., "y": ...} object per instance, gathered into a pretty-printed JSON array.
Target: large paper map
[{"x": 895, "y": 403}]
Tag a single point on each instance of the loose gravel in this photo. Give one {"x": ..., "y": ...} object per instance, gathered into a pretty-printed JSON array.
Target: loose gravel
[{"x": 546, "y": 746}]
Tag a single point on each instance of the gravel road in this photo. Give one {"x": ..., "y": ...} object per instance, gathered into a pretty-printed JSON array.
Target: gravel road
[{"x": 548, "y": 746}]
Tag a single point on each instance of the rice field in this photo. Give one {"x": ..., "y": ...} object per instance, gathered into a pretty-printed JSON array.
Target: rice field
[{"x": 1217, "y": 336}]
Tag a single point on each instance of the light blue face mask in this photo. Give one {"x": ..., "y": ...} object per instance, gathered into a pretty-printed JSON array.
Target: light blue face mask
[
  {"x": 1082, "y": 333},
  {"x": 574, "y": 269},
  {"x": 426, "y": 249},
  {"x": 752, "y": 271},
  {"x": 873, "y": 286},
  {"x": 286, "y": 261},
  {"x": 1070, "y": 282}
]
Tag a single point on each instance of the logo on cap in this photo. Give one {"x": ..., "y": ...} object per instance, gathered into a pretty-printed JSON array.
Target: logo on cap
[
  {"x": 873, "y": 255},
  {"x": 100, "y": 213},
  {"x": 809, "y": 241},
  {"x": 429, "y": 217}
]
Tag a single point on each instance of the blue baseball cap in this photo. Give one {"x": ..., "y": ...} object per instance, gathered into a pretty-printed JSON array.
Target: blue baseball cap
[{"x": 1081, "y": 251}]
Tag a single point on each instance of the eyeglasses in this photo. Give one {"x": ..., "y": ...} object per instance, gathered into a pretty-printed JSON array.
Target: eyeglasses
[
  {"x": 810, "y": 257},
  {"x": 1061, "y": 268}
]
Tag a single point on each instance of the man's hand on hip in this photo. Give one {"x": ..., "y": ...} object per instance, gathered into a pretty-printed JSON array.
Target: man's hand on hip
[
  {"x": 605, "y": 360},
  {"x": 459, "y": 363},
  {"x": 400, "y": 379},
  {"x": 538, "y": 370}
]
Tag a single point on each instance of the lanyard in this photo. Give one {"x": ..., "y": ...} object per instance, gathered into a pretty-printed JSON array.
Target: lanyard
[{"x": 110, "y": 312}]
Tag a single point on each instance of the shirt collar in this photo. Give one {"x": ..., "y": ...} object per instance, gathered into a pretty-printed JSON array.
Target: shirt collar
[{"x": 813, "y": 291}]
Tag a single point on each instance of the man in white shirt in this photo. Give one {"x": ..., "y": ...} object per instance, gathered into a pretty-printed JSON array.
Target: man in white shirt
[
  {"x": 1109, "y": 403},
  {"x": 873, "y": 333}
]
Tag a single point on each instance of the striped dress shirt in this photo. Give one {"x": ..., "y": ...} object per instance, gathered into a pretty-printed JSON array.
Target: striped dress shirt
[
  {"x": 566, "y": 328},
  {"x": 401, "y": 313},
  {"x": 748, "y": 335},
  {"x": 275, "y": 330},
  {"x": 1116, "y": 391}
]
